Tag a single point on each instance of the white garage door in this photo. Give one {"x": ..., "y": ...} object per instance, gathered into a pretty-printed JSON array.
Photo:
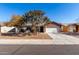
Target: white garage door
[{"x": 54, "y": 30}]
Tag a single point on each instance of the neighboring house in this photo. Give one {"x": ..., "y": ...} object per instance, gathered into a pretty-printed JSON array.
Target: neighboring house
[
  {"x": 5, "y": 29},
  {"x": 64, "y": 28},
  {"x": 70, "y": 27}
]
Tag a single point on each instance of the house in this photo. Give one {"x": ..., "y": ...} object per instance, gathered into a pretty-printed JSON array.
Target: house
[
  {"x": 5, "y": 29},
  {"x": 74, "y": 27},
  {"x": 64, "y": 28},
  {"x": 54, "y": 27},
  {"x": 68, "y": 28},
  {"x": 50, "y": 27}
]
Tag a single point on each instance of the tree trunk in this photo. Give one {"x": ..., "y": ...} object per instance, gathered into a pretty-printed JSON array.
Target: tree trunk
[{"x": 34, "y": 28}]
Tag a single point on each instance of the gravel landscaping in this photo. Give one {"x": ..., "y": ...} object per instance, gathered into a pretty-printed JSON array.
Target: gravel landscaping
[{"x": 38, "y": 36}]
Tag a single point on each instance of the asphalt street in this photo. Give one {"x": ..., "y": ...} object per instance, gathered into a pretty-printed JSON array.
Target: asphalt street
[{"x": 39, "y": 49}]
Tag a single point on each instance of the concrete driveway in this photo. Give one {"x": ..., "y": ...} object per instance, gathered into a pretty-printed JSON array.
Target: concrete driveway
[
  {"x": 59, "y": 38},
  {"x": 39, "y": 49}
]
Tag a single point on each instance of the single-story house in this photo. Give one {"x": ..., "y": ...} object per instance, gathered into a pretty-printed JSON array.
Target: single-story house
[
  {"x": 70, "y": 27},
  {"x": 50, "y": 27},
  {"x": 5, "y": 29},
  {"x": 64, "y": 28}
]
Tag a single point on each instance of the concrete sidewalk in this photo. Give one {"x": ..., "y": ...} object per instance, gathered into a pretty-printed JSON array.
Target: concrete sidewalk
[{"x": 26, "y": 41}]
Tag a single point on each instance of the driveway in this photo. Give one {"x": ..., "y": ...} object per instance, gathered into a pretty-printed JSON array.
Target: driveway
[
  {"x": 76, "y": 34},
  {"x": 59, "y": 38}
]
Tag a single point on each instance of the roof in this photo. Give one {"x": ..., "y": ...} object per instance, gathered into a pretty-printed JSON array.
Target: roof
[
  {"x": 71, "y": 24},
  {"x": 53, "y": 24},
  {"x": 58, "y": 24}
]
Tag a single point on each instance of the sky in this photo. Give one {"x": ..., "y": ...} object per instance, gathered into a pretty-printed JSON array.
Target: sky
[{"x": 58, "y": 12}]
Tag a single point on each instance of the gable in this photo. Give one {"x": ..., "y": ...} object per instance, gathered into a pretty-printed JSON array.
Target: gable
[{"x": 53, "y": 25}]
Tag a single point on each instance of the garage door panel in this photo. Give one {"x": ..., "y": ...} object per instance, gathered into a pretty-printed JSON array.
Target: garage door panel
[{"x": 54, "y": 30}]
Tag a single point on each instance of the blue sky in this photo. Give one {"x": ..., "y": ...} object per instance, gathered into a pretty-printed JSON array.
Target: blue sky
[{"x": 62, "y": 13}]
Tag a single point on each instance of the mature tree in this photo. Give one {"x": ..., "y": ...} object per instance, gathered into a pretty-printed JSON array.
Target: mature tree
[
  {"x": 15, "y": 21},
  {"x": 35, "y": 17}
]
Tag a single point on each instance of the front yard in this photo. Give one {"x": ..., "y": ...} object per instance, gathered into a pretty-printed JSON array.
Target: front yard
[{"x": 38, "y": 36}]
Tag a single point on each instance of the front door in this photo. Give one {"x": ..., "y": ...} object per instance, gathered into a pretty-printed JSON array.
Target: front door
[{"x": 41, "y": 29}]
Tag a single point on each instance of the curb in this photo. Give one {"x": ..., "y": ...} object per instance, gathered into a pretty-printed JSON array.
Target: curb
[{"x": 27, "y": 41}]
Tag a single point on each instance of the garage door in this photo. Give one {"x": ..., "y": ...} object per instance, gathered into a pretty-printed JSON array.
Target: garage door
[{"x": 54, "y": 30}]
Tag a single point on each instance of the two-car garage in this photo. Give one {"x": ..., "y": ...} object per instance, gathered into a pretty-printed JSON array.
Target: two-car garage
[
  {"x": 51, "y": 30},
  {"x": 53, "y": 27}
]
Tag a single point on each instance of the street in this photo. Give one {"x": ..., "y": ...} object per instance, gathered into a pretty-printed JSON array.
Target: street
[{"x": 39, "y": 49}]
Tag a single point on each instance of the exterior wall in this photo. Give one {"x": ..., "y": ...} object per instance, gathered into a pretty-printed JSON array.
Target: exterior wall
[
  {"x": 44, "y": 28},
  {"x": 39, "y": 29},
  {"x": 72, "y": 28},
  {"x": 65, "y": 29}
]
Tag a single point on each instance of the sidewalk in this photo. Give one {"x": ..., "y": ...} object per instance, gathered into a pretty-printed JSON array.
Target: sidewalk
[{"x": 27, "y": 41}]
